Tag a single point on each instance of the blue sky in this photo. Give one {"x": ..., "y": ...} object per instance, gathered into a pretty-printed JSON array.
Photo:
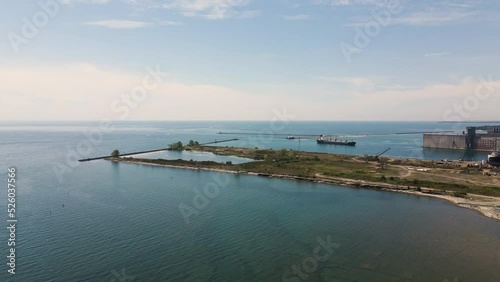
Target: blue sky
[{"x": 245, "y": 59}]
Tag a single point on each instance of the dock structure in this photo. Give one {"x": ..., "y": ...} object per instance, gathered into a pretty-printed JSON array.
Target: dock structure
[
  {"x": 155, "y": 150},
  {"x": 304, "y": 136},
  {"x": 479, "y": 138},
  {"x": 123, "y": 155},
  {"x": 220, "y": 141}
]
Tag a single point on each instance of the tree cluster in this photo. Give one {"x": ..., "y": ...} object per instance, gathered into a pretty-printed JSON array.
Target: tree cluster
[{"x": 176, "y": 146}]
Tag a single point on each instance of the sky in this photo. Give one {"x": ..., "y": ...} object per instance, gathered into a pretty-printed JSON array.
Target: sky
[{"x": 377, "y": 60}]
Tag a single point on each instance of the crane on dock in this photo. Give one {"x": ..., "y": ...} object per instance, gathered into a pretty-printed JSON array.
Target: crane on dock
[{"x": 380, "y": 154}]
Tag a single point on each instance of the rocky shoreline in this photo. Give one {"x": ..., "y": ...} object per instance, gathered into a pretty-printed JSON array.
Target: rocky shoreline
[{"x": 486, "y": 205}]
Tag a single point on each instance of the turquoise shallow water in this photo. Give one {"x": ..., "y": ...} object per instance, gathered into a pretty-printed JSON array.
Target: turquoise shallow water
[{"x": 125, "y": 219}]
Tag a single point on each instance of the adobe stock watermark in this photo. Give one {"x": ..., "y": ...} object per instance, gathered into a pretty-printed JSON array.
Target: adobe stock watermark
[
  {"x": 202, "y": 198},
  {"x": 458, "y": 113},
  {"x": 32, "y": 26},
  {"x": 122, "y": 107},
  {"x": 301, "y": 272},
  {"x": 462, "y": 111},
  {"x": 371, "y": 29},
  {"x": 277, "y": 124}
]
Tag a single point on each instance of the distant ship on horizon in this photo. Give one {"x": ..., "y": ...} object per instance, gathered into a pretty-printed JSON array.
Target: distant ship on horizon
[{"x": 322, "y": 140}]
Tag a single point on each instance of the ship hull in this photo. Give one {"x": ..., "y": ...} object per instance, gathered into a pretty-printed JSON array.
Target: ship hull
[{"x": 336, "y": 143}]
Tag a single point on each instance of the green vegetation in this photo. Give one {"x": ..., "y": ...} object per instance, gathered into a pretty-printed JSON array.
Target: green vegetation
[
  {"x": 176, "y": 146},
  {"x": 193, "y": 143},
  {"x": 405, "y": 174},
  {"x": 115, "y": 154},
  {"x": 460, "y": 194}
]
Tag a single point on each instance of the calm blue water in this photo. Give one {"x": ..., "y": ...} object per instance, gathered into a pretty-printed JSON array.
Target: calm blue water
[
  {"x": 123, "y": 221},
  {"x": 196, "y": 156}
]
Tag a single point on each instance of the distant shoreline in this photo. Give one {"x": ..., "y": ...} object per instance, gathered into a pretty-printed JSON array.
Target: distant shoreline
[{"x": 469, "y": 122}]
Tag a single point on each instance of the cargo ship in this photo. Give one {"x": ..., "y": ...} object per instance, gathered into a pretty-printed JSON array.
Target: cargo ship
[
  {"x": 323, "y": 140},
  {"x": 494, "y": 159}
]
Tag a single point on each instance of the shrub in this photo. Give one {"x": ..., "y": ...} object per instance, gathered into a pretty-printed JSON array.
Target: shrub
[
  {"x": 115, "y": 154},
  {"x": 460, "y": 194}
]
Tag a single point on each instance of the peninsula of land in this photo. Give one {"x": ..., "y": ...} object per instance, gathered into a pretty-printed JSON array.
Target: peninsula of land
[{"x": 462, "y": 183}]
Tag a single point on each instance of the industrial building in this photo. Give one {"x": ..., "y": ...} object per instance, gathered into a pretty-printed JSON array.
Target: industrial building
[{"x": 481, "y": 138}]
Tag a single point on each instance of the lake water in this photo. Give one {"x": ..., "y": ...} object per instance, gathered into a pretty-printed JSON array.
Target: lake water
[
  {"x": 195, "y": 156},
  {"x": 104, "y": 221}
]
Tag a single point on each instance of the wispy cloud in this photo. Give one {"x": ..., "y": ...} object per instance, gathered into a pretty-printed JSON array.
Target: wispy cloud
[
  {"x": 168, "y": 23},
  {"x": 417, "y": 13},
  {"x": 300, "y": 17},
  {"x": 126, "y": 24},
  {"x": 210, "y": 9},
  {"x": 438, "y": 54},
  {"x": 337, "y": 3},
  {"x": 432, "y": 18},
  {"x": 67, "y": 2},
  {"x": 119, "y": 24},
  {"x": 77, "y": 92},
  {"x": 352, "y": 81}
]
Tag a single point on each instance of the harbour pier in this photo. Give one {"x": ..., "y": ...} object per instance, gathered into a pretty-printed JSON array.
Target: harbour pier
[{"x": 155, "y": 150}]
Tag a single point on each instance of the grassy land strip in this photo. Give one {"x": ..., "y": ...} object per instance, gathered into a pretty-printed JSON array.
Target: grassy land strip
[{"x": 445, "y": 179}]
